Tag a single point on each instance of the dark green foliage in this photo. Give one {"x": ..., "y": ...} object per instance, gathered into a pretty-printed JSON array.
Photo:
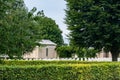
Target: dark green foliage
[
  {"x": 18, "y": 32},
  {"x": 69, "y": 51},
  {"x": 86, "y": 52},
  {"x": 65, "y": 51},
  {"x": 62, "y": 71},
  {"x": 48, "y": 29},
  {"x": 94, "y": 23}
]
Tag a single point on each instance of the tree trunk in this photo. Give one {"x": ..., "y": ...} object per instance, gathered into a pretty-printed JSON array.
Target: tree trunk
[
  {"x": 114, "y": 56},
  {"x": 115, "y": 53}
]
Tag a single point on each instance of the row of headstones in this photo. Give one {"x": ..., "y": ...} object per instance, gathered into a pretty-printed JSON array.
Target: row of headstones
[{"x": 80, "y": 59}]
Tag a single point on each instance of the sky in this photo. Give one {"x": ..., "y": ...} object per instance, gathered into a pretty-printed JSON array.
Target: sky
[{"x": 53, "y": 9}]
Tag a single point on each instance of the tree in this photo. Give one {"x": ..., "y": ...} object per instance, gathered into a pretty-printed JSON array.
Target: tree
[
  {"x": 65, "y": 51},
  {"x": 95, "y": 23},
  {"x": 18, "y": 32},
  {"x": 48, "y": 29}
]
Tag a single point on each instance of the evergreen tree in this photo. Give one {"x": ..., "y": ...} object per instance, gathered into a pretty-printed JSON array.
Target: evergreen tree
[{"x": 95, "y": 23}]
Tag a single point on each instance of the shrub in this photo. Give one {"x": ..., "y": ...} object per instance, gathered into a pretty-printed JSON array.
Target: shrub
[
  {"x": 40, "y": 62},
  {"x": 65, "y": 51},
  {"x": 62, "y": 71}
]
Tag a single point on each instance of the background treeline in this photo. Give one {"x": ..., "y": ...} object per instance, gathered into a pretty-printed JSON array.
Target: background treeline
[{"x": 70, "y": 51}]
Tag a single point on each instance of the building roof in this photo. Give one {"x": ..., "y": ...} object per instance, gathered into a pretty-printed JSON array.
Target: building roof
[{"x": 47, "y": 42}]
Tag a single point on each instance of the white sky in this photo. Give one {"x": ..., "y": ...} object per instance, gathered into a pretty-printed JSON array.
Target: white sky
[{"x": 53, "y": 9}]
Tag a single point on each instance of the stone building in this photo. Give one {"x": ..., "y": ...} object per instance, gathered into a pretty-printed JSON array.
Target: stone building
[
  {"x": 104, "y": 55},
  {"x": 46, "y": 50}
]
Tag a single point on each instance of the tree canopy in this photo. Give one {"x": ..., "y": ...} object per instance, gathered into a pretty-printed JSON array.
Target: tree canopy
[
  {"x": 48, "y": 29},
  {"x": 17, "y": 29},
  {"x": 95, "y": 23}
]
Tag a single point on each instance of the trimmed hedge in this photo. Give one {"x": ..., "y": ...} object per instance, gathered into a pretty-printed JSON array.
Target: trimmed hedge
[
  {"x": 40, "y": 62},
  {"x": 81, "y": 71}
]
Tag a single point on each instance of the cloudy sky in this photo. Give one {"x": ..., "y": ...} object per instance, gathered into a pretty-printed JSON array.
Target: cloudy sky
[{"x": 53, "y": 9}]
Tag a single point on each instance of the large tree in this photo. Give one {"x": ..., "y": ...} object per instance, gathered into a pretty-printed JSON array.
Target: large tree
[
  {"x": 17, "y": 29},
  {"x": 48, "y": 29},
  {"x": 95, "y": 23}
]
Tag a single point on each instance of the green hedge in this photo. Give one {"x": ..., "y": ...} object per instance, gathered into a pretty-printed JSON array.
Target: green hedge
[
  {"x": 106, "y": 71},
  {"x": 40, "y": 62}
]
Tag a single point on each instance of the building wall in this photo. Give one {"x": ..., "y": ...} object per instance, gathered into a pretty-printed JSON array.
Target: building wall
[
  {"x": 104, "y": 55},
  {"x": 33, "y": 54},
  {"x": 42, "y": 52},
  {"x": 47, "y": 52}
]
